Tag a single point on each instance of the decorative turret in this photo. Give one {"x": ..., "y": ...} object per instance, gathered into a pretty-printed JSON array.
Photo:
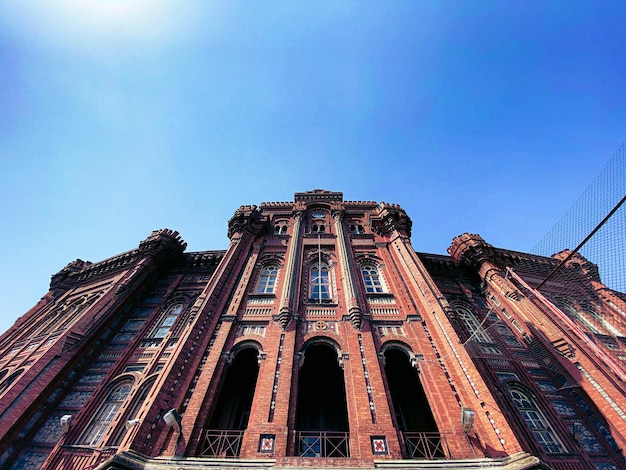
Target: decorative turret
[
  {"x": 164, "y": 242},
  {"x": 246, "y": 218},
  {"x": 389, "y": 217},
  {"x": 575, "y": 261},
  {"x": 61, "y": 280},
  {"x": 471, "y": 249}
]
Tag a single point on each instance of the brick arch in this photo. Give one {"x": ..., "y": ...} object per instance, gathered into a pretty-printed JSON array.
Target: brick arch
[
  {"x": 328, "y": 256},
  {"x": 320, "y": 339},
  {"x": 371, "y": 258},
  {"x": 395, "y": 344},
  {"x": 321, "y": 408},
  {"x": 271, "y": 259},
  {"x": 246, "y": 343}
]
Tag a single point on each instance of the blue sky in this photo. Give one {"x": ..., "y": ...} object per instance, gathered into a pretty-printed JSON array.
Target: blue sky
[{"x": 121, "y": 117}]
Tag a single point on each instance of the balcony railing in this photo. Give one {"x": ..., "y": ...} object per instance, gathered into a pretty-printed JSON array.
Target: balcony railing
[
  {"x": 425, "y": 445},
  {"x": 323, "y": 444},
  {"x": 221, "y": 443}
]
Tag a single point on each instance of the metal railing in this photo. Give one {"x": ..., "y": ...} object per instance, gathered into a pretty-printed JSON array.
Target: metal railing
[
  {"x": 425, "y": 445},
  {"x": 322, "y": 444},
  {"x": 221, "y": 443}
]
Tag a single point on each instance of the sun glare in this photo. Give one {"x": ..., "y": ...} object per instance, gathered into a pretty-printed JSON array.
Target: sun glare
[{"x": 85, "y": 23}]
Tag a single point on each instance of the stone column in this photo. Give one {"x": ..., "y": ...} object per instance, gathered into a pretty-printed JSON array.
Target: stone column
[
  {"x": 286, "y": 305},
  {"x": 345, "y": 263}
]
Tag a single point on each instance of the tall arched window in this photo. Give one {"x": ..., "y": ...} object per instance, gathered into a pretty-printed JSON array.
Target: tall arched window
[
  {"x": 106, "y": 414},
  {"x": 137, "y": 402},
  {"x": 320, "y": 282},
  {"x": 535, "y": 420},
  {"x": 471, "y": 323},
  {"x": 371, "y": 279},
  {"x": 167, "y": 321},
  {"x": 267, "y": 281}
]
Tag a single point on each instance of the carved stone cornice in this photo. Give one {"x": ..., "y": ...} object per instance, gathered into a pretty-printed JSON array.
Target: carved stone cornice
[
  {"x": 203, "y": 260},
  {"x": 318, "y": 195}
]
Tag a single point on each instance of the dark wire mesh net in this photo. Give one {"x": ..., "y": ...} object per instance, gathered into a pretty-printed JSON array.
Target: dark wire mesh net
[{"x": 607, "y": 247}]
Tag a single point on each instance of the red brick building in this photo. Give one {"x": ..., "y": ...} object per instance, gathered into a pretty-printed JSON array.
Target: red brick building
[{"x": 319, "y": 338}]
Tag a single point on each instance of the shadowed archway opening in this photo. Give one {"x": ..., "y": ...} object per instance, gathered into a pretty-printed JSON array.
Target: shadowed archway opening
[
  {"x": 413, "y": 415},
  {"x": 321, "y": 413},
  {"x": 232, "y": 409}
]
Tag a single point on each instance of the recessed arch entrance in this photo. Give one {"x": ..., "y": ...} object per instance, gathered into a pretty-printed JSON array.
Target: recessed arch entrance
[
  {"x": 413, "y": 416},
  {"x": 232, "y": 407},
  {"x": 321, "y": 411}
]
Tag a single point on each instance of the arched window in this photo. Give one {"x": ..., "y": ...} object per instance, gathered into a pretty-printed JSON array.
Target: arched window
[
  {"x": 319, "y": 228},
  {"x": 9, "y": 380},
  {"x": 280, "y": 227},
  {"x": 320, "y": 282},
  {"x": 137, "y": 403},
  {"x": 267, "y": 281},
  {"x": 356, "y": 228},
  {"x": 167, "y": 321},
  {"x": 106, "y": 414},
  {"x": 535, "y": 420},
  {"x": 371, "y": 279},
  {"x": 475, "y": 329}
]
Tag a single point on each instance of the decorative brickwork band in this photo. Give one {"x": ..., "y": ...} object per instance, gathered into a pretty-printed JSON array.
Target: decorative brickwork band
[
  {"x": 279, "y": 360},
  {"x": 368, "y": 385}
]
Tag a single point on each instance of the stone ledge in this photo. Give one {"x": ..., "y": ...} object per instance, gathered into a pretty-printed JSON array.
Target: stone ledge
[{"x": 131, "y": 460}]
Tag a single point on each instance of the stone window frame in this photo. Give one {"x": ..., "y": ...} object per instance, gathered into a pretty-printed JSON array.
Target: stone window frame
[
  {"x": 375, "y": 281},
  {"x": 524, "y": 400},
  {"x": 467, "y": 316},
  {"x": 262, "y": 285},
  {"x": 166, "y": 321},
  {"x": 117, "y": 394},
  {"x": 317, "y": 295},
  {"x": 280, "y": 227}
]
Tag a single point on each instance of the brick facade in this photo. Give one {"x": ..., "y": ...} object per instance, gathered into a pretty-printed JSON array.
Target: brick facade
[{"x": 319, "y": 338}]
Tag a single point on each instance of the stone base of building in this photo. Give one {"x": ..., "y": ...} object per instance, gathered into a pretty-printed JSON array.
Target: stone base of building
[{"x": 130, "y": 460}]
